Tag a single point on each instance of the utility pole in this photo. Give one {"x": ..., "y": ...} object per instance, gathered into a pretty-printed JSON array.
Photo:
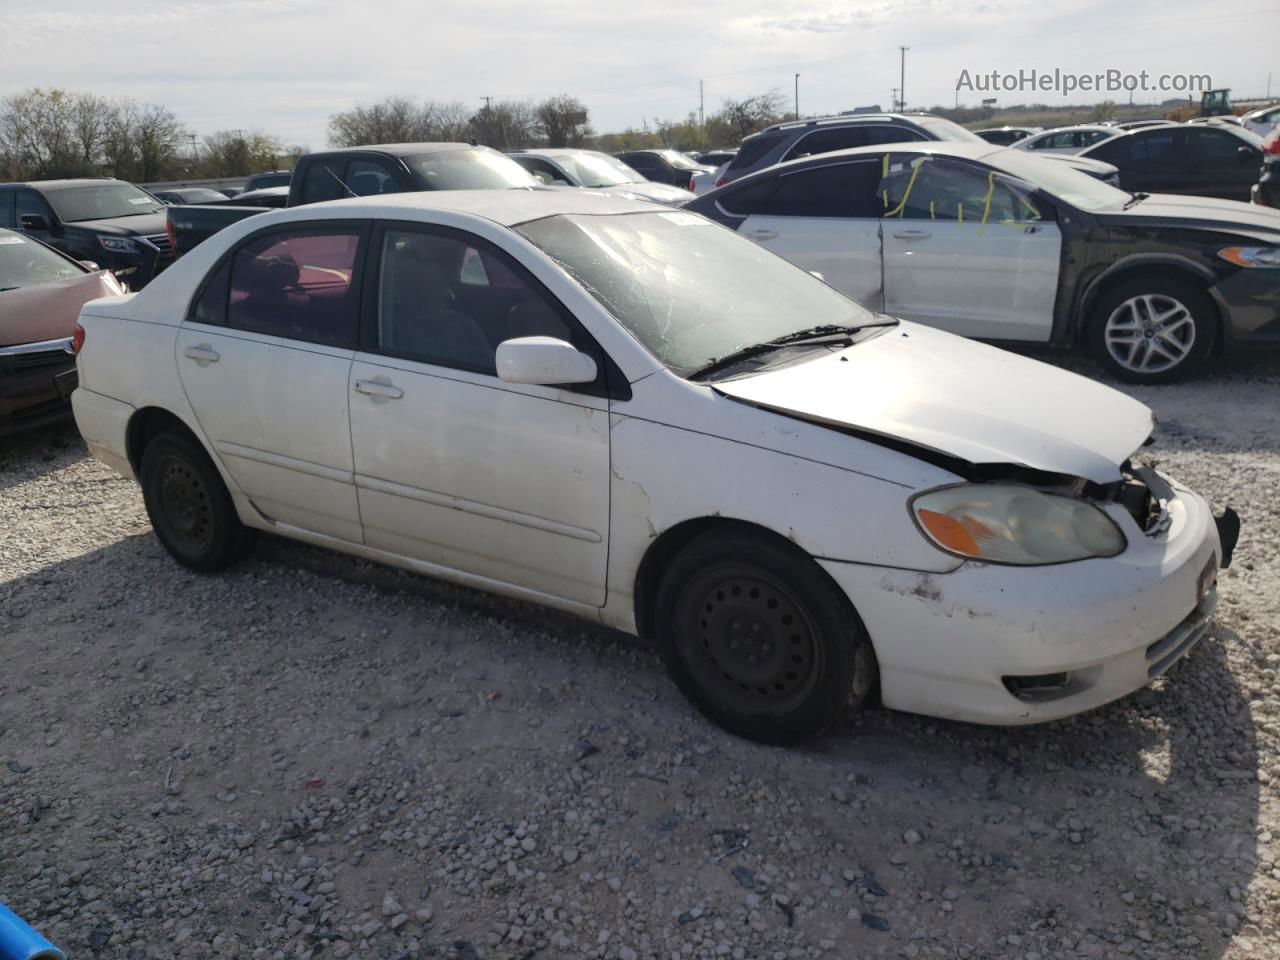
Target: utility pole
[
  {"x": 893, "y": 99},
  {"x": 488, "y": 104},
  {"x": 702, "y": 122},
  {"x": 797, "y": 96},
  {"x": 902, "y": 80}
]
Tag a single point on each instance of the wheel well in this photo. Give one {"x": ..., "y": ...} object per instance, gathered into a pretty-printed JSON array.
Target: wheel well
[
  {"x": 1160, "y": 270},
  {"x": 664, "y": 549},
  {"x": 144, "y": 426}
]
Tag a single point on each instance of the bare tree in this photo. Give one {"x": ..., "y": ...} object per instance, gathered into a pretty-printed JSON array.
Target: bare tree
[
  {"x": 90, "y": 115},
  {"x": 447, "y": 122},
  {"x": 563, "y": 121},
  {"x": 390, "y": 121},
  {"x": 158, "y": 135},
  {"x": 506, "y": 124},
  {"x": 36, "y": 133},
  {"x": 745, "y": 117},
  {"x": 233, "y": 153}
]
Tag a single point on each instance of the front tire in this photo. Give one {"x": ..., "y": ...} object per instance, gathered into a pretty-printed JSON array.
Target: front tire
[
  {"x": 760, "y": 640},
  {"x": 1153, "y": 330},
  {"x": 189, "y": 506}
]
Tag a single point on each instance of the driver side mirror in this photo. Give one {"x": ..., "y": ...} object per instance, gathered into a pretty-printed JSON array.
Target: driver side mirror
[
  {"x": 543, "y": 361},
  {"x": 33, "y": 221},
  {"x": 1245, "y": 153},
  {"x": 90, "y": 265}
]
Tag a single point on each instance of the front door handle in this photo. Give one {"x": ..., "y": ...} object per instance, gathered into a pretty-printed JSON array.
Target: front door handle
[
  {"x": 912, "y": 235},
  {"x": 202, "y": 354},
  {"x": 379, "y": 389},
  {"x": 762, "y": 234}
]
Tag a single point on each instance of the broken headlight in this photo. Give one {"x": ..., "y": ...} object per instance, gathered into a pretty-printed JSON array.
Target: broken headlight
[
  {"x": 1251, "y": 256},
  {"x": 1008, "y": 523}
]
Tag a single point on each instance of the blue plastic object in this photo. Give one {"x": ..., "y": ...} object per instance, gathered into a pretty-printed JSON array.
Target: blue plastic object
[{"x": 20, "y": 941}]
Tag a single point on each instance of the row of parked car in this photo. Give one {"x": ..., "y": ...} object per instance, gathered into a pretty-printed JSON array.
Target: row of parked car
[{"x": 910, "y": 215}]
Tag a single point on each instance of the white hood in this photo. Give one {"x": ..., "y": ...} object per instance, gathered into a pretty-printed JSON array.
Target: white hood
[
  {"x": 960, "y": 398},
  {"x": 659, "y": 192}
]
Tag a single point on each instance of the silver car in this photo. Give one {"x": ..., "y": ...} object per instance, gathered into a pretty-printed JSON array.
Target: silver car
[{"x": 570, "y": 167}]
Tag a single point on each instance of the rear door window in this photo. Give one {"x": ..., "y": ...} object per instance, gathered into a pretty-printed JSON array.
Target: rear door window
[
  {"x": 824, "y": 141},
  {"x": 837, "y": 190},
  {"x": 6, "y": 209},
  {"x": 324, "y": 182},
  {"x": 297, "y": 283},
  {"x": 754, "y": 148}
]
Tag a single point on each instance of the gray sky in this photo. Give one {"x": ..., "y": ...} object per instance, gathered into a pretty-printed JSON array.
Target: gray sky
[{"x": 283, "y": 66}]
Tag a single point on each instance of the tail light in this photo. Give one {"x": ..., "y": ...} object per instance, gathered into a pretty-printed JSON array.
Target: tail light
[
  {"x": 721, "y": 181},
  {"x": 1271, "y": 145},
  {"x": 168, "y": 232},
  {"x": 77, "y": 339},
  {"x": 690, "y": 187}
]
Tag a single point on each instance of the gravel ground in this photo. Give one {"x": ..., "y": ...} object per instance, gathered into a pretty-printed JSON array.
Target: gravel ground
[{"x": 311, "y": 756}]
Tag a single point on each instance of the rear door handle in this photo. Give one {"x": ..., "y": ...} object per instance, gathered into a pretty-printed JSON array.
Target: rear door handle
[
  {"x": 202, "y": 354},
  {"x": 912, "y": 235},
  {"x": 762, "y": 234},
  {"x": 379, "y": 389}
]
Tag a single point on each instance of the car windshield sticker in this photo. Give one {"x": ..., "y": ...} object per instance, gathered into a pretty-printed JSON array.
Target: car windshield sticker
[
  {"x": 141, "y": 200},
  {"x": 5, "y": 241}
]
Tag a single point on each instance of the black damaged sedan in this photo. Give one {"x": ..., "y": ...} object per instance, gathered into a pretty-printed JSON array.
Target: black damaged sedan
[{"x": 1004, "y": 246}]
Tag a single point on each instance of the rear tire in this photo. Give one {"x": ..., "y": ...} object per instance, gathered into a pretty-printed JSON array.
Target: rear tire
[
  {"x": 1153, "y": 330},
  {"x": 189, "y": 506},
  {"x": 760, "y": 640}
]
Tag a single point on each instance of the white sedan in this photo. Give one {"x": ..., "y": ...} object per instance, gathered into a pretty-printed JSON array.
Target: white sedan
[
  {"x": 1067, "y": 140},
  {"x": 640, "y": 417},
  {"x": 572, "y": 167}
]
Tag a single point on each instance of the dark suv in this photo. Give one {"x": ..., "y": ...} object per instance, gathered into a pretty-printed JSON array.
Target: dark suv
[
  {"x": 116, "y": 225},
  {"x": 804, "y": 138}
]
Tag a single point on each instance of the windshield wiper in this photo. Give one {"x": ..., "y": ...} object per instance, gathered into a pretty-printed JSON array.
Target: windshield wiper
[
  {"x": 1135, "y": 199},
  {"x": 821, "y": 334}
]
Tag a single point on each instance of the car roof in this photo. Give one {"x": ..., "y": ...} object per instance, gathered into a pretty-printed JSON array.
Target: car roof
[
  {"x": 1082, "y": 126},
  {"x": 506, "y": 207},
  {"x": 553, "y": 151},
  {"x": 962, "y": 149},
  {"x": 835, "y": 119},
  {"x": 60, "y": 184},
  {"x": 404, "y": 149}
]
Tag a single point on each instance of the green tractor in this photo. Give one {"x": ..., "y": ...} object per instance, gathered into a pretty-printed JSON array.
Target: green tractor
[{"x": 1215, "y": 103}]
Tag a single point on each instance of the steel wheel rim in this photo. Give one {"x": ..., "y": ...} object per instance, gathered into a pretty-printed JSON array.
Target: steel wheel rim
[
  {"x": 184, "y": 503},
  {"x": 1150, "y": 333},
  {"x": 751, "y": 645}
]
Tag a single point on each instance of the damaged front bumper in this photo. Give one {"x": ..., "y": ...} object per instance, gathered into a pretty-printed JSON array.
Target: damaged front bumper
[{"x": 1014, "y": 645}]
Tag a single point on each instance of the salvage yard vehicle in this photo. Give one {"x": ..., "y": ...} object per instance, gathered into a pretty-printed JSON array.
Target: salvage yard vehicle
[
  {"x": 41, "y": 293},
  {"x": 664, "y": 166},
  {"x": 569, "y": 167},
  {"x": 1067, "y": 140},
  {"x": 358, "y": 172},
  {"x": 176, "y": 196},
  {"x": 1205, "y": 160},
  {"x": 1001, "y": 245},
  {"x": 108, "y": 221},
  {"x": 795, "y": 140},
  {"x": 1004, "y": 136},
  {"x": 636, "y": 416}
]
